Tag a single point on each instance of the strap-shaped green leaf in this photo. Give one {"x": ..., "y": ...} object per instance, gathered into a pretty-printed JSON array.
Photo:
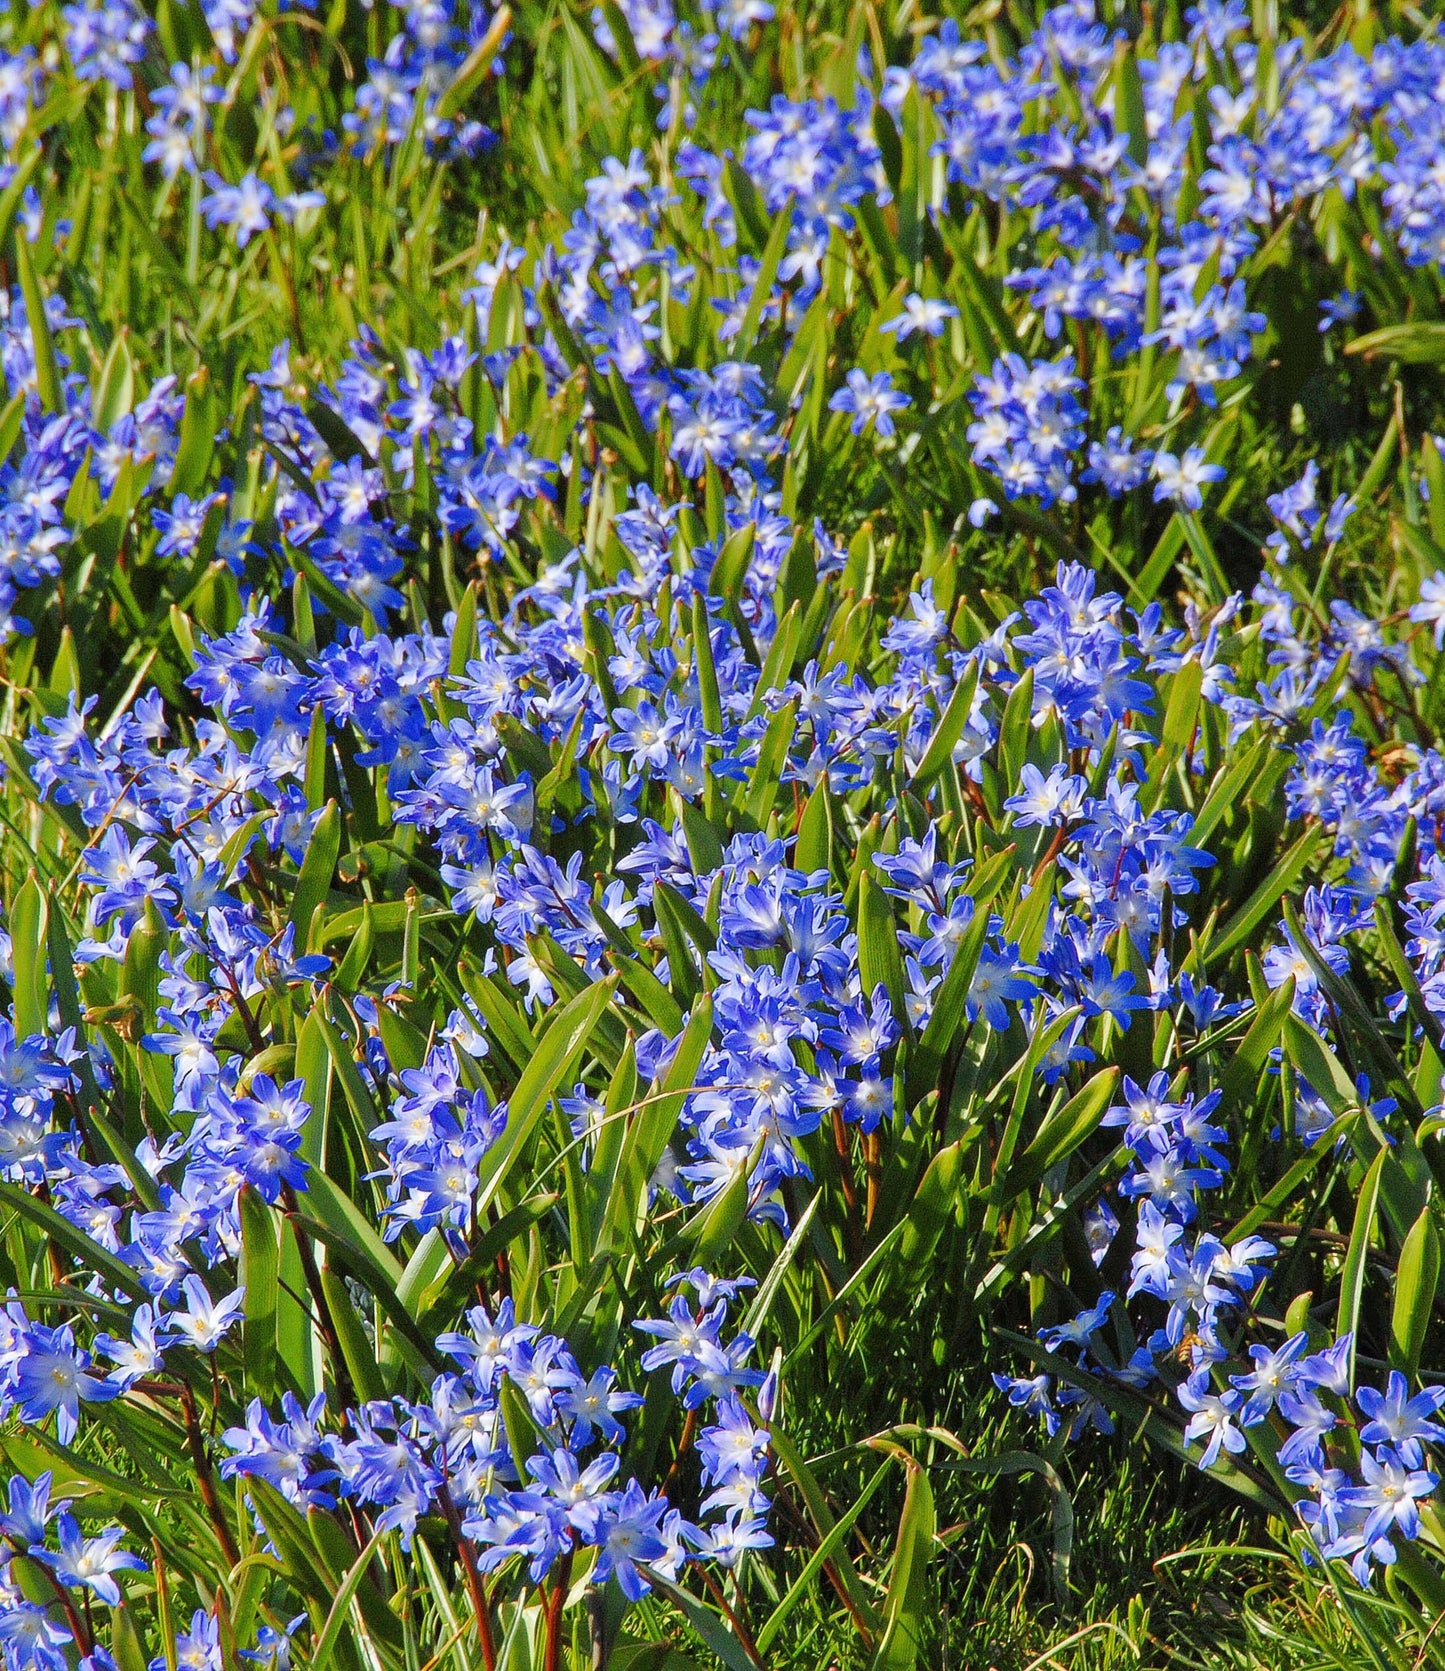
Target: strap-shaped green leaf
[
  {"x": 260, "y": 1277},
  {"x": 1362, "y": 1235},
  {"x": 562, "y": 1042},
  {"x": 879, "y": 961},
  {"x": 47, "y": 371},
  {"x": 1062, "y": 1134},
  {"x": 317, "y": 867},
  {"x": 824, "y": 1520},
  {"x": 1283, "y": 876},
  {"x": 28, "y": 919},
  {"x": 1417, "y": 1283},
  {"x": 907, "y": 1624},
  {"x": 825, "y": 1552},
  {"x": 946, "y": 733}
]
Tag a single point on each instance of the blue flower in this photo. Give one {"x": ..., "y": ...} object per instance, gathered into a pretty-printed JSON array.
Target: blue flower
[
  {"x": 53, "y": 1375},
  {"x": 925, "y": 314},
  {"x": 1212, "y": 1413},
  {"x": 870, "y": 400},
  {"x": 1182, "y": 480},
  {"x": 1398, "y": 1420},
  {"x": 246, "y": 206},
  {"x": 83, "y": 1563}
]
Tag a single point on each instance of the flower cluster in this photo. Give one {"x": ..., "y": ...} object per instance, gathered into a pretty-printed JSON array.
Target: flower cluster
[
  {"x": 1028, "y": 425},
  {"x": 1294, "y": 1404},
  {"x": 546, "y": 825},
  {"x": 452, "y": 1453},
  {"x": 405, "y": 86},
  {"x": 39, "y": 1527}
]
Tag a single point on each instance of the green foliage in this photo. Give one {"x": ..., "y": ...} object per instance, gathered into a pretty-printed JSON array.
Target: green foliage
[{"x": 916, "y": 1523}]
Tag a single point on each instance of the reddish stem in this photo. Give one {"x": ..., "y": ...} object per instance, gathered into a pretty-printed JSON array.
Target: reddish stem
[
  {"x": 552, "y": 1659},
  {"x": 481, "y": 1604},
  {"x": 205, "y": 1479},
  {"x": 740, "y": 1630}
]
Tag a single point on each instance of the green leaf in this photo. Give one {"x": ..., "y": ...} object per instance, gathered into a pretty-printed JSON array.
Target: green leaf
[
  {"x": 317, "y": 868},
  {"x": 260, "y": 1277},
  {"x": 879, "y": 960},
  {"x": 28, "y": 918},
  {"x": 1227, "y": 791},
  {"x": 47, "y": 371},
  {"x": 1075, "y": 1122},
  {"x": 1250, "y": 1057},
  {"x": 343, "y": 1064},
  {"x": 930, "y": 1210},
  {"x": 648, "y": 1656},
  {"x": 778, "y": 666},
  {"x": 1404, "y": 972},
  {"x": 356, "y": 1349},
  {"x": 1318, "y": 1065},
  {"x": 14, "y": 191},
  {"x": 679, "y": 920},
  {"x": 661, "y": 1008},
  {"x": 102, "y": 1489},
  {"x": 341, "y": 604},
  {"x": 652, "y": 1127},
  {"x": 438, "y": 1306},
  {"x": 1352, "y": 1277},
  {"x": 1319, "y": 1151},
  {"x": 827, "y": 1548},
  {"x": 288, "y": 1531},
  {"x": 1417, "y": 1281},
  {"x": 502, "y": 1014},
  {"x": 763, "y": 281},
  {"x": 731, "y": 565},
  {"x": 196, "y": 442},
  {"x": 1281, "y": 880},
  {"x": 766, "y": 777},
  {"x": 710, "y": 1233},
  {"x": 1131, "y": 118},
  {"x": 1046, "y": 1033},
  {"x": 844, "y": 1294},
  {"x": 74, "y": 1240},
  {"x": 565, "y": 1038},
  {"x": 772, "y": 1283},
  {"x": 814, "y": 847},
  {"x": 126, "y": 1646},
  {"x": 352, "y": 1246},
  {"x": 116, "y": 392},
  {"x": 12, "y": 416},
  {"x": 474, "y": 67},
  {"x": 824, "y": 1521},
  {"x": 1015, "y": 728},
  {"x": 709, "y": 697},
  {"x": 950, "y": 1002},
  {"x": 946, "y": 733},
  {"x": 715, "y": 1633},
  {"x": 463, "y": 647},
  {"x": 1419, "y": 343},
  {"x": 704, "y": 845},
  {"x": 1177, "y": 734},
  {"x": 906, "y": 1607},
  {"x": 337, "y": 1553}
]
